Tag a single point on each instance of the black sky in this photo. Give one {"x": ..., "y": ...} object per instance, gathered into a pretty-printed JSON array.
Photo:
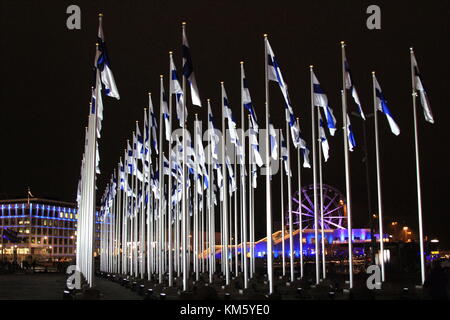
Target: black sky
[{"x": 46, "y": 78}]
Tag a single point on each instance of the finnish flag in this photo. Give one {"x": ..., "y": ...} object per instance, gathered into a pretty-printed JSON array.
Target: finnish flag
[
  {"x": 188, "y": 71},
  {"x": 153, "y": 124},
  {"x": 213, "y": 137},
  {"x": 323, "y": 139},
  {"x": 175, "y": 88},
  {"x": 273, "y": 142},
  {"x": 166, "y": 116},
  {"x": 422, "y": 92},
  {"x": 350, "y": 135},
  {"x": 383, "y": 107},
  {"x": 350, "y": 86},
  {"x": 320, "y": 99},
  {"x": 284, "y": 154},
  {"x": 231, "y": 123},
  {"x": 102, "y": 64},
  {"x": 255, "y": 146},
  {"x": 247, "y": 100}
]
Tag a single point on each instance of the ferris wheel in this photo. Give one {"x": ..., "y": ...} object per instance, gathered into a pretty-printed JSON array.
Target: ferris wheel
[{"x": 334, "y": 208}]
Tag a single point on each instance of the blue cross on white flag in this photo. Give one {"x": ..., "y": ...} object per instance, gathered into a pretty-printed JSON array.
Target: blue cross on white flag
[
  {"x": 284, "y": 153},
  {"x": 153, "y": 124},
  {"x": 351, "y": 136},
  {"x": 273, "y": 142},
  {"x": 213, "y": 137},
  {"x": 255, "y": 146},
  {"x": 175, "y": 88},
  {"x": 102, "y": 64},
  {"x": 274, "y": 72},
  {"x": 188, "y": 71},
  {"x": 166, "y": 116},
  {"x": 247, "y": 100},
  {"x": 323, "y": 139},
  {"x": 138, "y": 143},
  {"x": 422, "y": 92},
  {"x": 320, "y": 99},
  {"x": 382, "y": 106},
  {"x": 231, "y": 123},
  {"x": 350, "y": 86}
]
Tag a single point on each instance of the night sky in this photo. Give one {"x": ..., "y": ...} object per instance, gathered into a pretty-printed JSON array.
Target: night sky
[{"x": 46, "y": 73}]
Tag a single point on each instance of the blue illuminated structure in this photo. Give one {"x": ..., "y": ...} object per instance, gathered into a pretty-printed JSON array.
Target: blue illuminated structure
[
  {"x": 336, "y": 240},
  {"x": 46, "y": 228}
]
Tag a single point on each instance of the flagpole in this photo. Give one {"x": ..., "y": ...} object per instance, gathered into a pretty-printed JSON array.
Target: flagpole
[
  {"x": 300, "y": 217},
  {"x": 243, "y": 182},
  {"x": 291, "y": 240},
  {"x": 224, "y": 191},
  {"x": 195, "y": 190},
  {"x": 313, "y": 130},
  {"x": 347, "y": 190},
  {"x": 419, "y": 191},
  {"x": 347, "y": 167},
  {"x": 282, "y": 218},
  {"x": 322, "y": 242},
  {"x": 380, "y": 208},
  {"x": 250, "y": 203},
  {"x": 236, "y": 220},
  {"x": 268, "y": 191}
]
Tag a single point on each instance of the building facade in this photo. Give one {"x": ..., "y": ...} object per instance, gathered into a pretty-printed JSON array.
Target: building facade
[{"x": 46, "y": 230}]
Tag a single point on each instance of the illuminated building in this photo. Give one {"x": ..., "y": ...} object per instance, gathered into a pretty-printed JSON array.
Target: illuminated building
[{"x": 46, "y": 229}]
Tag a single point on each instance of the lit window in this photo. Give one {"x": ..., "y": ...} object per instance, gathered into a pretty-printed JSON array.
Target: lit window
[{"x": 61, "y": 214}]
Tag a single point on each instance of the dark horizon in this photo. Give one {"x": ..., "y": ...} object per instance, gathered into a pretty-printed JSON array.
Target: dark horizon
[{"x": 47, "y": 75}]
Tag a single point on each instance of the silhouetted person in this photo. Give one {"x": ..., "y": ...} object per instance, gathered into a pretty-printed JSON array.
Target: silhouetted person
[{"x": 436, "y": 282}]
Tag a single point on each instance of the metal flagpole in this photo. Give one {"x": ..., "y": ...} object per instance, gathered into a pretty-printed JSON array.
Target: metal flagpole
[
  {"x": 236, "y": 219},
  {"x": 313, "y": 130},
  {"x": 291, "y": 240},
  {"x": 282, "y": 218},
  {"x": 419, "y": 191},
  {"x": 243, "y": 187},
  {"x": 322, "y": 222},
  {"x": 380, "y": 208},
  {"x": 195, "y": 190},
  {"x": 347, "y": 188},
  {"x": 184, "y": 199},
  {"x": 250, "y": 202},
  {"x": 224, "y": 191},
  {"x": 210, "y": 203},
  {"x": 347, "y": 168},
  {"x": 268, "y": 191}
]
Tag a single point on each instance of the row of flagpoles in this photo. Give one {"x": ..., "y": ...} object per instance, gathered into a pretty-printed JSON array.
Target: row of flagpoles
[{"x": 158, "y": 214}]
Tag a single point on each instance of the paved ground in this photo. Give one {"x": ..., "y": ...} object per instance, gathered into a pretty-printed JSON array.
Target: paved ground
[
  {"x": 50, "y": 286},
  {"x": 39, "y": 286},
  {"x": 114, "y": 291}
]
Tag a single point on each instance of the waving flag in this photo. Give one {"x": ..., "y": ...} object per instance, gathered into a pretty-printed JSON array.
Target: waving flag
[
  {"x": 350, "y": 86},
  {"x": 231, "y": 175},
  {"x": 284, "y": 153},
  {"x": 383, "y": 107},
  {"x": 231, "y": 123},
  {"x": 166, "y": 116},
  {"x": 153, "y": 124},
  {"x": 422, "y": 92},
  {"x": 213, "y": 137},
  {"x": 102, "y": 63},
  {"x": 255, "y": 146},
  {"x": 247, "y": 100},
  {"x": 273, "y": 142},
  {"x": 188, "y": 71},
  {"x": 323, "y": 139},
  {"x": 175, "y": 88},
  {"x": 351, "y": 136},
  {"x": 274, "y": 74},
  {"x": 138, "y": 143},
  {"x": 320, "y": 99}
]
